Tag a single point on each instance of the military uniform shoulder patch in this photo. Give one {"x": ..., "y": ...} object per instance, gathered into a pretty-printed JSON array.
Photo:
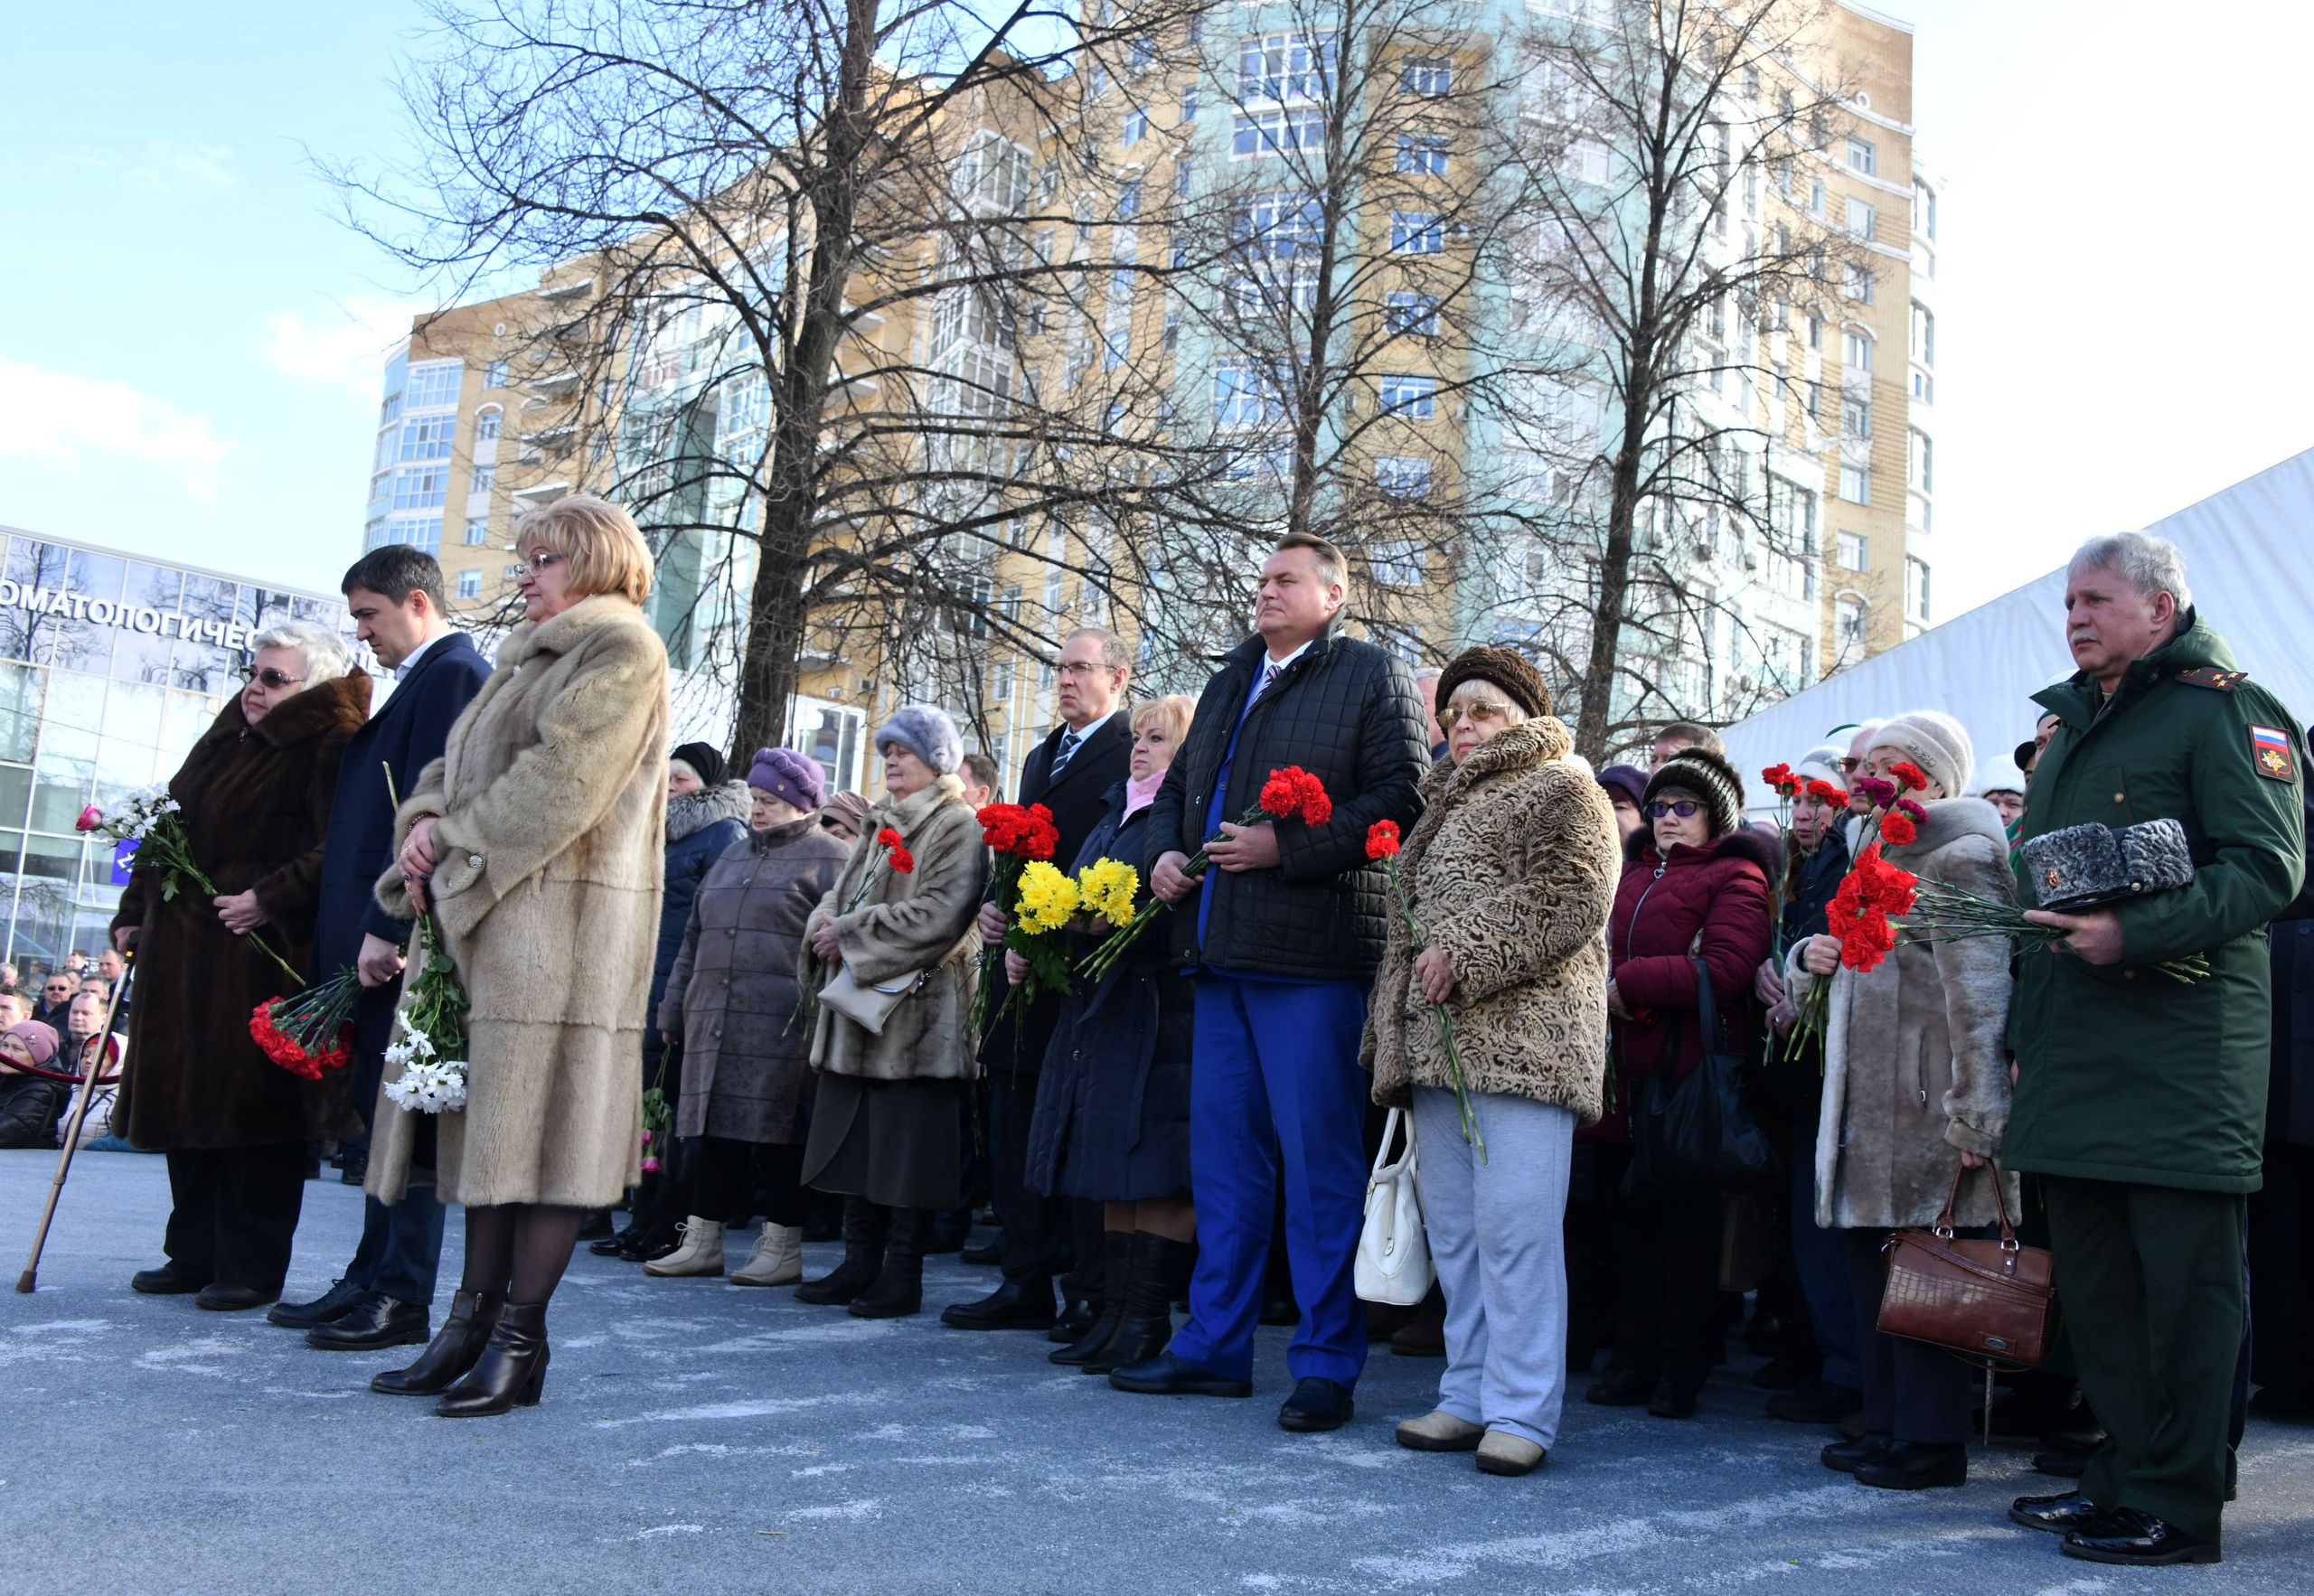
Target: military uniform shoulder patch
[
  {"x": 2215, "y": 679},
  {"x": 2270, "y": 752}
]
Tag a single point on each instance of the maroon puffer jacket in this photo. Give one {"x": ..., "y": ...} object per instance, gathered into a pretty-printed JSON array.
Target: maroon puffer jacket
[{"x": 1721, "y": 890}]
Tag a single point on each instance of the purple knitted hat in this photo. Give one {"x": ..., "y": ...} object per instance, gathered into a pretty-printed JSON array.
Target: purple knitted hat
[{"x": 796, "y": 778}]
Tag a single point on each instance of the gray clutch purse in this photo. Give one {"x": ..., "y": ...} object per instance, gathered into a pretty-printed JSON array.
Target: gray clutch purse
[{"x": 2085, "y": 867}]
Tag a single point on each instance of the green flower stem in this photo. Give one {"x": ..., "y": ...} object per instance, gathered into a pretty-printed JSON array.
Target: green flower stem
[{"x": 1463, "y": 1106}]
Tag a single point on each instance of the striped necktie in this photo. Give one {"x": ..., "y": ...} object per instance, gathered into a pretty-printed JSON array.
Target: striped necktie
[{"x": 1064, "y": 753}]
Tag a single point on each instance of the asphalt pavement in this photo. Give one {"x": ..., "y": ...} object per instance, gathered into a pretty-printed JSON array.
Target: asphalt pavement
[{"x": 697, "y": 1436}]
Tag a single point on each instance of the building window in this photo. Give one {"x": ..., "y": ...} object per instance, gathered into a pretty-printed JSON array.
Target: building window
[
  {"x": 1189, "y": 103},
  {"x": 1135, "y": 127},
  {"x": 1916, "y": 590},
  {"x": 1854, "y": 552},
  {"x": 494, "y": 375},
  {"x": 1818, "y": 197},
  {"x": 1860, "y": 220},
  {"x": 485, "y": 424},
  {"x": 1923, "y": 347},
  {"x": 1856, "y": 416},
  {"x": 1403, "y": 476},
  {"x": 420, "y": 487},
  {"x": 1847, "y": 623},
  {"x": 1815, "y": 334},
  {"x": 1141, "y": 55},
  {"x": 1269, "y": 132},
  {"x": 477, "y": 531},
  {"x": 1924, "y": 211},
  {"x": 1428, "y": 75},
  {"x": 469, "y": 584},
  {"x": 1862, "y": 157},
  {"x": 1129, "y": 199},
  {"x": 1856, "y": 485},
  {"x": 1855, "y": 283},
  {"x": 433, "y": 386},
  {"x": 484, "y": 476},
  {"x": 1413, "y": 397},
  {"x": 419, "y": 531},
  {"x": 1416, "y": 314},
  {"x": 426, "y": 438},
  {"x": 1924, "y": 386},
  {"x": 1425, "y": 154},
  {"x": 1244, "y": 396},
  {"x": 1417, "y": 232},
  {"x": 1285, "y": 66},
  {"x": 1855, "y": 349},
  {"x": 1922, "y": 462}
]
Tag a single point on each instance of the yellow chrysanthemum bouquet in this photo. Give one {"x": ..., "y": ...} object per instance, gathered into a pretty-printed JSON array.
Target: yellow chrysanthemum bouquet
[{"x": 1046, "y": 899}]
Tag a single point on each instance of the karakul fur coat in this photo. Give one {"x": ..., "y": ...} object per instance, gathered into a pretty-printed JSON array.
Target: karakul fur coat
[
  {"x": 552, "y": 794},
  {"x": 1915, "y": 1059},
  {"x": 1511, "y": 871}
]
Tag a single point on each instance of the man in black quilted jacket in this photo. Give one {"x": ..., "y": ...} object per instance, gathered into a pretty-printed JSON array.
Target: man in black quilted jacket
[{"x": 1284, "y": 934}]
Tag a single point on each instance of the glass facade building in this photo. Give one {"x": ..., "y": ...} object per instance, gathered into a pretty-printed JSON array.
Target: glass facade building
[{"x": 111, "y": 666}]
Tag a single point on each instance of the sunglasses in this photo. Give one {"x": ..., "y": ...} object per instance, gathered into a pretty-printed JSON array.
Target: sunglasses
[
  {"x": 272, "y": 678},
  {"x": 1685, "y": 808},
  {"x": 1485, "y": 711}
]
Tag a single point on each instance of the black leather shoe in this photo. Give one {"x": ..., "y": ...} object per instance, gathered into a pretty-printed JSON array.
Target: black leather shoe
[
  {"x": 341, "y": 1298},
  {"x": 983, "y": 1256},
  {"x": 1672, "y": 1401},
  {"x": 1912, "y": 1465},
  {"x": 596, "y": 1226},
  {"x": 1012, "y": 1305},
  {"x": 453, "y": 1350},
  {"x": 2135, "y": 1538},
  {"x": 1317, "y": 1404},
  {"x": 1818, "y": 1402},
  {"x": 353, "y": 1168},
  {"x": 511, "y": 1372},
  {"x": 381, "y": 1321},
  {"x": 1116, "y": 1275},
  {"x": 223, "y": 1299},
  {"x": 1157, "y": 1269},
  {"x": 898, "y": 1292},
  {"x": 2059, "y": 1515},
  {"x": 867, "y": 1227},
  {"x": 1167, "y": 1375},
  {"x": 610, "y": 1245},
  {"x": 1849, "y": 1456},
  {"x": 1074, "y": 1322},
  {"x": 165, "y": 1282},
  {"x": 1620, "y": 1388}
]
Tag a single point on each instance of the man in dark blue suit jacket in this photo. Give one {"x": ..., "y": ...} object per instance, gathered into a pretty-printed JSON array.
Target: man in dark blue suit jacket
[{"x": 395, "y": 596}]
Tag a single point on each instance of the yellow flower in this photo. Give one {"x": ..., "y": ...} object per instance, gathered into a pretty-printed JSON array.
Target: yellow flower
[
  {"x": 1107, "y": 888},
  {"x": 1047, "y": 897}
]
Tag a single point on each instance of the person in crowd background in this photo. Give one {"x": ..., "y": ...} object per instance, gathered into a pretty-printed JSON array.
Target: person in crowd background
[
  {"x": 1680, "y": 735},
  {"x": 396, "y": 597},
  {"x": 731, "y": 1000},
  {"x": 1513, "y": 863},
  {"x": 883, "y": 1129},
  {"x": 30, "y": 1104},
  {"x": 2001, "y": 784},
  {"x": 2281, "y": 1217},
  {"x": 56, "y": 990},
  {"x": 1625, "y": 785},
  {"x": 76, "y": 963},
  {"x": 535, "y": 842},
  {"x": 2139, "y": 1099},
  {"x": 1915, "y": 1102},
  {"x": 1069, "y": 771},
  {"x": 14, "y": 1006},
  {"x": 1425, "y": 681},
  {"x": 1283, "y": 933},
  {"x": 2028, "y": 752},
  {"x": 256, "y": 793},
  {"x": 982, "y": 781},
  {"x": 1113, "y": 1104},
  {"x": 1696, "y": 879},
  {"x": 843, "y": 816}
]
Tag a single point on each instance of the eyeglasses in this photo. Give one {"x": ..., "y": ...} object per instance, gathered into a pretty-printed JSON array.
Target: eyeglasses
[
  {"x": 1848, "y": 764},
  {"x": 272, "y": 678},
  {"x": 1088, "y": 668},
  {"x": 1486, "y": 711},
  {"x": 538, "y": 563},
  {"x": 1683, "y": 807}
]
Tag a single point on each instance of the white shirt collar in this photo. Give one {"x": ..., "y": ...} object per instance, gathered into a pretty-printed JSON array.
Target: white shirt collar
[
  {"x": 423, "y": 649},
  {"x": 1279, "y": 665}
]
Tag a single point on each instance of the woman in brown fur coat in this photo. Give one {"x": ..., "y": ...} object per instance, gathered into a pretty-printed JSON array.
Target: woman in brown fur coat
[
  {"x": 536, "y": 838},
  {"x": 1511, "y": 871},
  {"x": 256, "y": 793}
]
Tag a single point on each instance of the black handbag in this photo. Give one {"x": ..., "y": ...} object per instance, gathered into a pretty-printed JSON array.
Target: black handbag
[{"x": 1699, "y": 1132}]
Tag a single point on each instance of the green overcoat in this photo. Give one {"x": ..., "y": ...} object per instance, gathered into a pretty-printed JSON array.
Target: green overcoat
[{"x": 2123, "y": 1073}]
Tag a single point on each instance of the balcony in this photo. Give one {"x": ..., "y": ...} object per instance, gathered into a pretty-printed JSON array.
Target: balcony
[{"x": 563, "y": 293}]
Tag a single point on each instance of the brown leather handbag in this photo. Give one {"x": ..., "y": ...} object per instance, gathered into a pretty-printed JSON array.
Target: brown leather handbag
[{"x": 1992, "y": 1302}]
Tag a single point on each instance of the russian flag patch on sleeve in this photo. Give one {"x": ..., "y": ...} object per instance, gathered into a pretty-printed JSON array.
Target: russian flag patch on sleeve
[{"x": 2270, "y": 751}]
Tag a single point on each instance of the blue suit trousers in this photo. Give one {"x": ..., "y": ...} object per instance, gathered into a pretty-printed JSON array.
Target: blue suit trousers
[
  {"x": 402, "y": 1246},
  {"x": 1276, "y": 1091}
]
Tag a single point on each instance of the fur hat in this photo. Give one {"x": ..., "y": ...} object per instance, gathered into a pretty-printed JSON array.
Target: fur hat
[
  {"x": 926, "y": 731},
  {"x": 1710, "y": 778},
  {"x": 1626, "y": 781},
  {"x": 785, "y": 775},
  {"x": 1999, "y": 774},
  {"x": 1505, "y": 667},
  {"x": 1822, "y": 763},
  {"x": 704, "y": 762},
  {"x": 844, "y": 815},
  {"x": 1935, "y": 742}
]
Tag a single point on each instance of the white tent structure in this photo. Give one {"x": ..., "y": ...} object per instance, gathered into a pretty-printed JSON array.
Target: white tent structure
[{"x": 2246, "y": 552}]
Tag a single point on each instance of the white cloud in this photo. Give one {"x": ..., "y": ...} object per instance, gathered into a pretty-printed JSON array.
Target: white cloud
[
  {"x": 171, "y": 165},
  {"x": 61, "y": 418},
  {"x": 344, "y": 345}
]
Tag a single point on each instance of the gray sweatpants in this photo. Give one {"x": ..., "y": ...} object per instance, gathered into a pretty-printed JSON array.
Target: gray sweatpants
[{"x": 1496, "y": 1237}]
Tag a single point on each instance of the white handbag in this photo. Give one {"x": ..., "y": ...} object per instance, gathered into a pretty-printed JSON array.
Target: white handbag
[
  {"x": 1392, "y": 1252},
  {"x": 869, "y": 1006}
]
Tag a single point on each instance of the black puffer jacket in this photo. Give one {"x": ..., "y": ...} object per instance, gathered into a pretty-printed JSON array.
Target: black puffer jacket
[{"x": 1347, "y": 712}]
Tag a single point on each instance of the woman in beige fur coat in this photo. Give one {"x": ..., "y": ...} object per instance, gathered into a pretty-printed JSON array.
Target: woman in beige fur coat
[
  {"x": 1511, "y": 871},
  {"x": 1915, "y": 1093},
  {"x": 884, "y": 1118},
  {"x": 535, "y": 839}
]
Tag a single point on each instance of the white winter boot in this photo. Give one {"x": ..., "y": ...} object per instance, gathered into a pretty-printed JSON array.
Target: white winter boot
[
  {"x": 777, "y": 1260},
  {"x": 701, "y": 1254}
]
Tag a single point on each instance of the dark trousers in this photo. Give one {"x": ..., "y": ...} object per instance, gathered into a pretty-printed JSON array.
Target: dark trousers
[
  {"x": 1912, "y": 1391},
  {"x": 400, "y": 1250},
  {"x": 2282, "y": 1272},
  {"x": 1666, "y": 1262},
  {"x": 233, "y": 1211},
  {"x": 1036, "y": 1226},
  {"x": 2151, "y": 1279},
  {"x": 736, "y": 1180}
]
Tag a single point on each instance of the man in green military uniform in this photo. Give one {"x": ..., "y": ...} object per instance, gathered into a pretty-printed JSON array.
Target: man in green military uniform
[{"x": 2140, "y": 1098}]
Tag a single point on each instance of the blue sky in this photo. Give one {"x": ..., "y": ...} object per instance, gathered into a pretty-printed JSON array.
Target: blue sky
[{"x": 189, "y": 340}]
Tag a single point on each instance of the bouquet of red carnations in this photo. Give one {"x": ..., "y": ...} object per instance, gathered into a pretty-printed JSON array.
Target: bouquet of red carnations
[
  {"x": 1019, "y": 835},
  {"x": 311, "y": 1033}
]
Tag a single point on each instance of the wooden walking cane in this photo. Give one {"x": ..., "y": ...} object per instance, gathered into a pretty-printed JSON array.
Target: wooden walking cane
[{"x": 25, "y": 1282}]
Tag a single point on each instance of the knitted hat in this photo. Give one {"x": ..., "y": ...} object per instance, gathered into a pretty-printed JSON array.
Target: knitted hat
[
  {"x": 844, "y": 815},
  {"x": 41, "y": 1038},
  {"x": 1708, "y": 778},
  {"x": 1627, "y": 781},
  {"x": 1823, "y": 764},
  {"x": 1935, "y": 742},
  {"x": 792, "y": 777},
  {"x": 1505, "y": 667},
  {"x": 926, "y": 731},
  {"x": 1999, "y": 774},
  {"x": 705, "y": 763}
]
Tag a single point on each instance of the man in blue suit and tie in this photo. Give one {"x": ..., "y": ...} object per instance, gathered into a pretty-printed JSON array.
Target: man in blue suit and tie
[{"x": 395, "y": 596}]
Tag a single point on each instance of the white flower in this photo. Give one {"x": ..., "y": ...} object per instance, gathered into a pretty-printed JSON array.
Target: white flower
[{"x": 430, "y": 1088}]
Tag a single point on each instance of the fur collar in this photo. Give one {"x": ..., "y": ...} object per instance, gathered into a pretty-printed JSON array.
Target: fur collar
[
  {"x": 1743, "y": 843},
  {"x": 695, "y": 811},
  {"x": 904, "y": 815},
  {"x": 561, "y": 634},
  {"x": 1949, "y": 820},
  {"x": 321, "y": 708},
  {"x": 1533, "y": 742}
]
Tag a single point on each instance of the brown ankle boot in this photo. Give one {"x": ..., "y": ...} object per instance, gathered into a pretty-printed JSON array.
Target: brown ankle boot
[
  {"x": 452, "y": 1351},
  {"x": 512, "y": 1372}
]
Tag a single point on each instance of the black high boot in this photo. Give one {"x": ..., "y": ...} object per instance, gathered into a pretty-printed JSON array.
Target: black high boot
[
  {"x": 866, "y": 1227},
  {"x": 898, "y": 1290},
  {"x": 453, "y": 1351},
  {"x": 1159, "y": 1272},
  {"x": 512, "y": 1373},
  {"x": 1117, "y": 1274}
]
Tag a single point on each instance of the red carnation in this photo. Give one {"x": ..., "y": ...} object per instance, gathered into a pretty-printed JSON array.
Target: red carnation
[
  {"x": 1292, "y": 792},
  {"x": 1899, "y": 829},
  {"x": 1824, "y": 791},
  {"x": 1040, "y": 837},
  {"x": 1002, "y": 825},
  {"x": 903, "y": 862},
  {"x": 1915, "y": 779},
  {"x": 1781, "y": 778},
  {"x": 1381, "y": 839}
]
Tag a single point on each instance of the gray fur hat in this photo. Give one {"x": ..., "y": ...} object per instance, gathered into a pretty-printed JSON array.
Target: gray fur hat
[
  {"x": 926, "y": 731},
  {"x": 1935, "y": 742}
]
